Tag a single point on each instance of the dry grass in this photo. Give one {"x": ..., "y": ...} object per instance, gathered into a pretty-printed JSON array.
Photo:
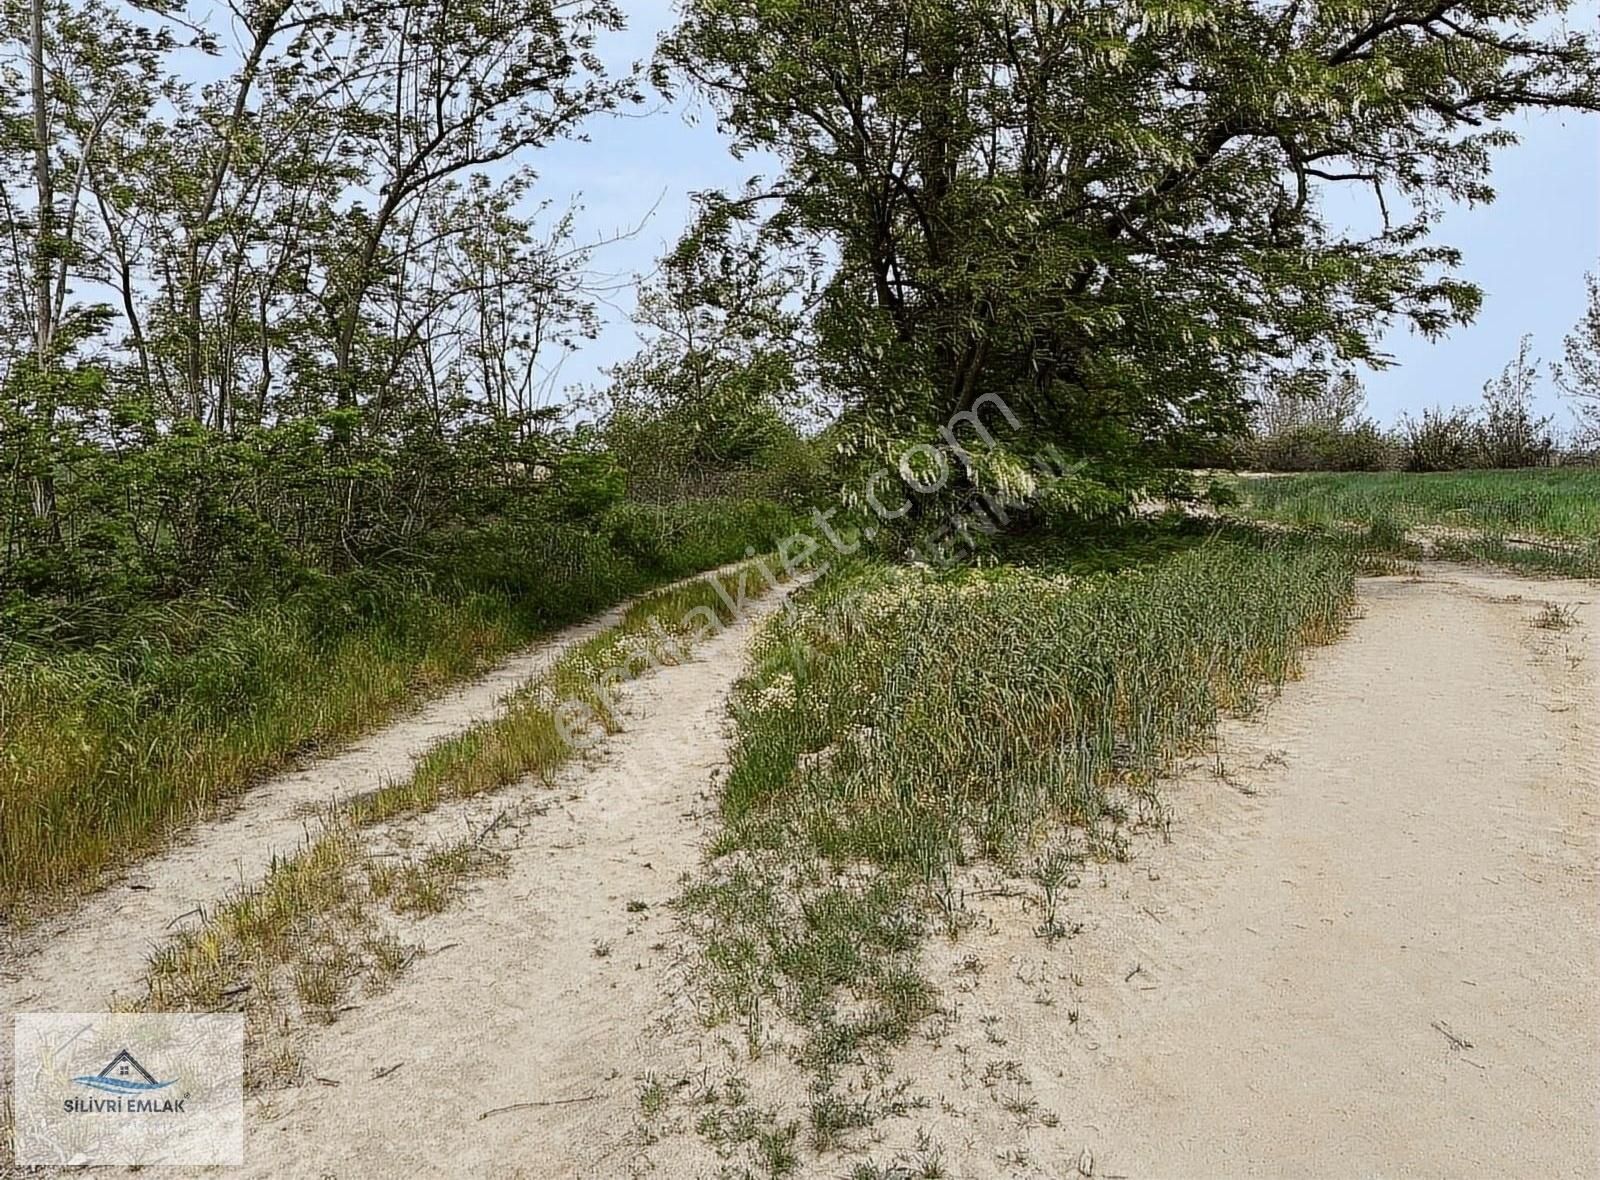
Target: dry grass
[
  {"x": 313, "y": 927},
  {"x": 1555, "y": 617}
]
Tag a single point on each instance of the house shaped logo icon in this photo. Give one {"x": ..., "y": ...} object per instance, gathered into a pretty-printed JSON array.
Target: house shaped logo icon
[{"x": 122, "y": 1075}]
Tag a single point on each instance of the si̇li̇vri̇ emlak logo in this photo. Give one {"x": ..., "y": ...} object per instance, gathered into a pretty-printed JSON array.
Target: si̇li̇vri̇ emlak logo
[{"x": 131, "y": 1083}]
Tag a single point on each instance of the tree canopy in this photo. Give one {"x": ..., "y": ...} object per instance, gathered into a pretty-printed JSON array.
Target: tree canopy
[
  {"x": 279, "y": 287},
  {"x": 1108, "y": 212}
]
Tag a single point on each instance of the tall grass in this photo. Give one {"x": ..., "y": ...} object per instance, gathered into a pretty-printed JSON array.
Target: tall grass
[
  {"x": 104, "y": 750},
  {"x": 941, "y": 715},
  {"x": 1561, "y": 503},
  {"x": 903, "y": 723}
]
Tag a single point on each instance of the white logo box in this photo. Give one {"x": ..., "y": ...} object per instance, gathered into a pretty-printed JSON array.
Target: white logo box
[{"x": 128, "y": 1088}]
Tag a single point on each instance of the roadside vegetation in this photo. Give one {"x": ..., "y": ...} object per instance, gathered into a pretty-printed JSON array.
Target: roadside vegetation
[
  {"x": 282, "y": 441},
  {"x": 904, "y": 726},
  {"x": 283, "y": 444},
  {"x": 105, "y": 749}
]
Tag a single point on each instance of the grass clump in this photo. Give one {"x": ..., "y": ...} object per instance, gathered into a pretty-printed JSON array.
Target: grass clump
[
  {"x": 284, "y": 922},
  {"x": 793, "y": 932},
  {"x": 313, "y": 929},
  {"x": 427, "y": 886},
  {"x": 1555, "y": 617}
]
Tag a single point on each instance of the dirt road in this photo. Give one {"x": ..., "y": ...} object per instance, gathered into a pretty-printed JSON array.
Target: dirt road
[
  {"x": 1371, "y": 952},
  {"x": 96, "y": 952},
  {"x": 1370, "y": 948},
  {"x": 552, "y": 982},
  {"x": 1396, "y": 970}
]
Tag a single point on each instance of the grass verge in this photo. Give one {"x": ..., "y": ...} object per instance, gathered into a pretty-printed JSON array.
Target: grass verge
[
  {"x": 903, "y": 725},
  {"x": 105, "y": 750}
]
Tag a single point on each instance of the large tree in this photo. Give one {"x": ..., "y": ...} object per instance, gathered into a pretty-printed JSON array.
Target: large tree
[{"x": 1109, "y": 211}]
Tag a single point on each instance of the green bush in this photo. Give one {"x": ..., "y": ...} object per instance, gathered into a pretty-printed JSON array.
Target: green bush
[
  {"x": 1442, "y": 440},
  {"x": 1362, "y": 447}
]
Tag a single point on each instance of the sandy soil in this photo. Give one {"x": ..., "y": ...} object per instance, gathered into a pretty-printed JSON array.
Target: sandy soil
[
  {"x": 543, "y": 986},
  {"x": 1394, "y": 970},
  {"x": 1402, "y": 852},
  {"x": 1370, "y": 948}
]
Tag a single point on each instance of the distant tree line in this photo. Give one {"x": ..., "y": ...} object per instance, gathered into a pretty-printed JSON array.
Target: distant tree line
[{"x": 1311, "y": 419}]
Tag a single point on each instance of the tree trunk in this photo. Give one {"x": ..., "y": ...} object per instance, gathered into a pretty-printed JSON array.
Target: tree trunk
[{"x": 44, "y": 485}]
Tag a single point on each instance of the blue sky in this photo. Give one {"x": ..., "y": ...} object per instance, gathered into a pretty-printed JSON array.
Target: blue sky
[{"x": 1529, "y": 250}]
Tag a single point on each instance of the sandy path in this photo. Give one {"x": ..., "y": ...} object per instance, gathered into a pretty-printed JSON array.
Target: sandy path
[
  {"x": 550, "y": 980},
  {"x": 1417, "y": 847},
  {"x": 1263, "y": 995},
  {"x": 82, "y": 959},
  {"x": 1428, "y": 859}
]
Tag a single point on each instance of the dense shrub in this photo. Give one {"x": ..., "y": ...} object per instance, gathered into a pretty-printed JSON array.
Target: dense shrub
[
  {"x": 1441, "y": 440},
  {"x": 1461, "y": 440},
  {"x": 1503, "y": 432},
  {"x": 145, "y": 513},
  {"x": 1363, "y": 446},
  {"x": 1307, "y": 422},
  {"x": 730, "y": 450}
]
